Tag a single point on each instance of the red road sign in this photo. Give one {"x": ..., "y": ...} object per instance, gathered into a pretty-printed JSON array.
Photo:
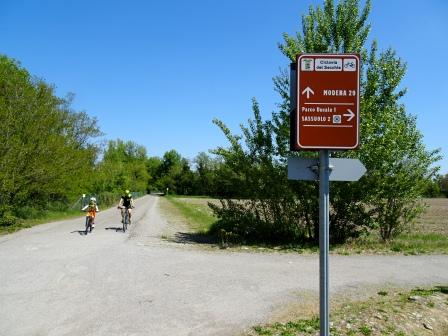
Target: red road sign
[{"x": 327, "y": 114}]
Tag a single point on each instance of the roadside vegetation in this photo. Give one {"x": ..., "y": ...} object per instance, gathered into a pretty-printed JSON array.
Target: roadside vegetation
[
  {"x": 29, "y": 216},
  {"x": 428, "y": 235},
  {"x": 420, "y": 311},
  {"x": 198, "y": 217},
  {"x": 52, "y": 155},
  {"x": 399, "y": 167}
]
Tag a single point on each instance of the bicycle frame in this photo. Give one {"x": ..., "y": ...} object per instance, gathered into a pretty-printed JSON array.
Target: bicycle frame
[
  {"x": 89, "y": 221},
  {"x": 125, "y": 219}
]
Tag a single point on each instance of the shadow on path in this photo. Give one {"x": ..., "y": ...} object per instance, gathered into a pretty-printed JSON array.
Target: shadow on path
[
  {"x": 192, "y": 238},
  {"x": 81, "y": 233},
  {"x": 116, "y": 228}
]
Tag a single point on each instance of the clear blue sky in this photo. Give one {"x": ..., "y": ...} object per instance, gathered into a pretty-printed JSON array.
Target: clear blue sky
[{"x": 158, "y": 72}]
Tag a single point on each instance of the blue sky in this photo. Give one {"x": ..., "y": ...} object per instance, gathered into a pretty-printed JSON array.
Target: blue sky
[{"x": 158, "y": 72}]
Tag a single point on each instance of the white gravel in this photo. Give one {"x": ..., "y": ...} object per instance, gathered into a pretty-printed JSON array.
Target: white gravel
[{"x": 56, "y": 281}]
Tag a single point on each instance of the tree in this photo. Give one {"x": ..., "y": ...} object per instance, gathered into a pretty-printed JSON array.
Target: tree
[
  {"x": 153, "y": 167},
  {"x": 443, "y": 184},
  {"x": 262, "y": 207},
  {"x": 205, "y": 177},
  {"x": 124, "y": 166},
  {"x": 175, "y": 174},
  {"x": 391, "y": 148},
  {"x": 47, "y": 152}
]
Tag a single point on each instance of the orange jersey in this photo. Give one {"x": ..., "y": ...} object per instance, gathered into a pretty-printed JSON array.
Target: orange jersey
[{"x": 91, "y": 213}]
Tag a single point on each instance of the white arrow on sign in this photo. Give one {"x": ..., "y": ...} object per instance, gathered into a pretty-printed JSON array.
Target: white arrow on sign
[
  {"x": 307, "y": 91},
  {"x": 350, "y": 115},
  {"x": 307, "y": 169}
]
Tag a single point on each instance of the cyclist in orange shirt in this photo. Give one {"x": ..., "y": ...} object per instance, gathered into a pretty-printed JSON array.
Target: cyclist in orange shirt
[{"x": 91, "y": 209}]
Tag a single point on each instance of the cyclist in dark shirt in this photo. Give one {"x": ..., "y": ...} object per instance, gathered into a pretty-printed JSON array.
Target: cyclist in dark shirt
[{"x": 126, "y": 202}]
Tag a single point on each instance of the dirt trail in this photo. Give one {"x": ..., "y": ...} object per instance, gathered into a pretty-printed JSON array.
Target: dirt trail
[{"x": 56, "y": 281}]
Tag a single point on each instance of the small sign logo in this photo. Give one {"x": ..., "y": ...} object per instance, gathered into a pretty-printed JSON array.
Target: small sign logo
[
  {"x": 307, "y": 64},
  {"x": 349, "y": 64},
  {"x": 337, "y": 119}
]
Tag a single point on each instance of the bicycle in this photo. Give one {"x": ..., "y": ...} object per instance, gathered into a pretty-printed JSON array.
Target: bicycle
[
  {"x": 89, "y": 222},
  {"x": 91, "y": 210},
  {"x": 126, "y": 220}
]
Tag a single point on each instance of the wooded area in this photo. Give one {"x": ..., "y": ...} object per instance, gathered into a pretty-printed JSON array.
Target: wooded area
[{"x": 52, "y": 154}]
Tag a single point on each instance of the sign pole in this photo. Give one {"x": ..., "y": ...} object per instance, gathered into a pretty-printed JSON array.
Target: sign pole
[
  {"x": 293, "y": 104},
  {"x": 324, "y": 100},
  {"x": 324, "y": 241}
]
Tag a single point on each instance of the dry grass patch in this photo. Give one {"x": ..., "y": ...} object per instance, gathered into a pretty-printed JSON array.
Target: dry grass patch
[{"x": 415, "y": 312}]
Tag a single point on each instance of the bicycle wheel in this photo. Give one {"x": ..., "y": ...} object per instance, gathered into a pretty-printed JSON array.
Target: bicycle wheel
[{"x": 87, "y": 225}]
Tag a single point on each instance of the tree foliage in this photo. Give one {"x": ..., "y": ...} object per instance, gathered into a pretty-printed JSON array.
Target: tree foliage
[
  {"x": 47, "y": 153},
  {"x": 442, "y": 183},
  {"x": 398, "y": 164},
  {"x": 124, "y": 166},
  {"x": 263, "y": 207}
]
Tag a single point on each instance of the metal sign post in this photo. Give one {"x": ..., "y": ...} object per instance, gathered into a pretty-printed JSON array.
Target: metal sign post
[
  {"x": 324, "y": 98},
  {"x": 324, "y": 241}
]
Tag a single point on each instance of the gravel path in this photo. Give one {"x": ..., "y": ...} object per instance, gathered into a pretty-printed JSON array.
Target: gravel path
[{"x": 56, "y": 281}]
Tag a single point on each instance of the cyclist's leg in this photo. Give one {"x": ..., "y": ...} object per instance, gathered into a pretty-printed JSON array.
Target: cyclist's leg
[
  {"x": 122, "y": 214},
  {"x": 129, "y": 211}
]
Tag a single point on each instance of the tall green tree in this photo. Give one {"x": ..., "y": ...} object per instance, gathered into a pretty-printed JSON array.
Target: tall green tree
[
  {"x": 47, "y": 152},
  {"x": 153, "y": 168},
  {"x": 442, "y": 181},
  {"x": 124, "y": 166},
  {"x": 397, "y": 162},
  {"x": 207, "y": 175},
  {"x": 262, "y": 207},
  {"x": 392, "y": 149},
  {"x": 175, "y": 174}
]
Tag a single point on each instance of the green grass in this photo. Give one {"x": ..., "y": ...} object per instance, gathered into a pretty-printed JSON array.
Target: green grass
[
  {"x": 379, "y": 315},
  {"x": 406, "y": 243},
  {"x": 428, "y": 292},
  {"x": 290, "y": 328},
  {"x": 48, "y": 216},
  {"x": 198, "y": 216},
  {"x": 190, "y": 197},
  {"x": 365, "y": 330},
  {"x": 421, "y": 242}
]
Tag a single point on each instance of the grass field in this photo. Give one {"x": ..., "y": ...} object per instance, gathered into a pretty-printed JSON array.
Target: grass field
[
  {"x": 428, "y": 235},
  {"x": 435, "y": 219}
]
